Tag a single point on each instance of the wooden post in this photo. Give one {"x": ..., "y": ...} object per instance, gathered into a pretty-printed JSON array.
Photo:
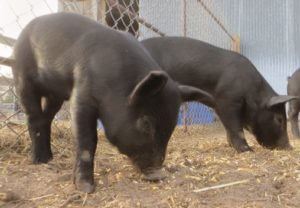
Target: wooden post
[
  {"x": 101, "y": 11},
  {"x": 95, "y": 9},
  {"x": 236, "y": 44},
  {"x": 88, "y": 8}
]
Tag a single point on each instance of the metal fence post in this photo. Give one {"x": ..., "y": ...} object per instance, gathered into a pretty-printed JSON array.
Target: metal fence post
[{"x": 185, "y": 105}]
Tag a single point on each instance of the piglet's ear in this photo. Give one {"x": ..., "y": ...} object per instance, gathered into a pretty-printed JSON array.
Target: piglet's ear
[
  {"x": 189, "y": 93},
  {"x": 152, "y": 84},
  {"x": 280, "y": 99}
]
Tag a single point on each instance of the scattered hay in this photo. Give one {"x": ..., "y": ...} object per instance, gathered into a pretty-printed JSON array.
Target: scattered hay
[{"x": 196, "y": 160}]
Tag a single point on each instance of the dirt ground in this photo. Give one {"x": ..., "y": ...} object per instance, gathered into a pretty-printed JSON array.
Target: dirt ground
[{"x": 195, "y": 161}]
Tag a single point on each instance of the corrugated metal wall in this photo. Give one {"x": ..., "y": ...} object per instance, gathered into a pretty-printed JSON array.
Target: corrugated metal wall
[
  {"x": 296, "y": 30},
  {"x": 267, "y": 35},
  {"x": 269, "y": 30}
]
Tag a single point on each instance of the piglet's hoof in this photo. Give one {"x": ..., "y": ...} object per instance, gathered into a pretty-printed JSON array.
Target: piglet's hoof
[
  {"x": 154, "y": 175},
  {"x": 285, "y": 147},
  {"x": 84, "y": 187},
  {"x": 244, "y": 148},
  {"x": 41, "y": 158}
]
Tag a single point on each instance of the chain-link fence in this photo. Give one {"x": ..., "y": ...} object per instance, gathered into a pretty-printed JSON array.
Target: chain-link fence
[{"x": 222, "y": 23}]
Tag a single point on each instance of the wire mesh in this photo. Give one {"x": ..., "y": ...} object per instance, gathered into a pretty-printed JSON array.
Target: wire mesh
[{"x": 221, "y": 23}]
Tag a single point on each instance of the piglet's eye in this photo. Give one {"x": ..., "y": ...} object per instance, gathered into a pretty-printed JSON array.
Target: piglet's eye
[
  {"x": 144, "y": 125},
  {"x": 278, "y": 119}
]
